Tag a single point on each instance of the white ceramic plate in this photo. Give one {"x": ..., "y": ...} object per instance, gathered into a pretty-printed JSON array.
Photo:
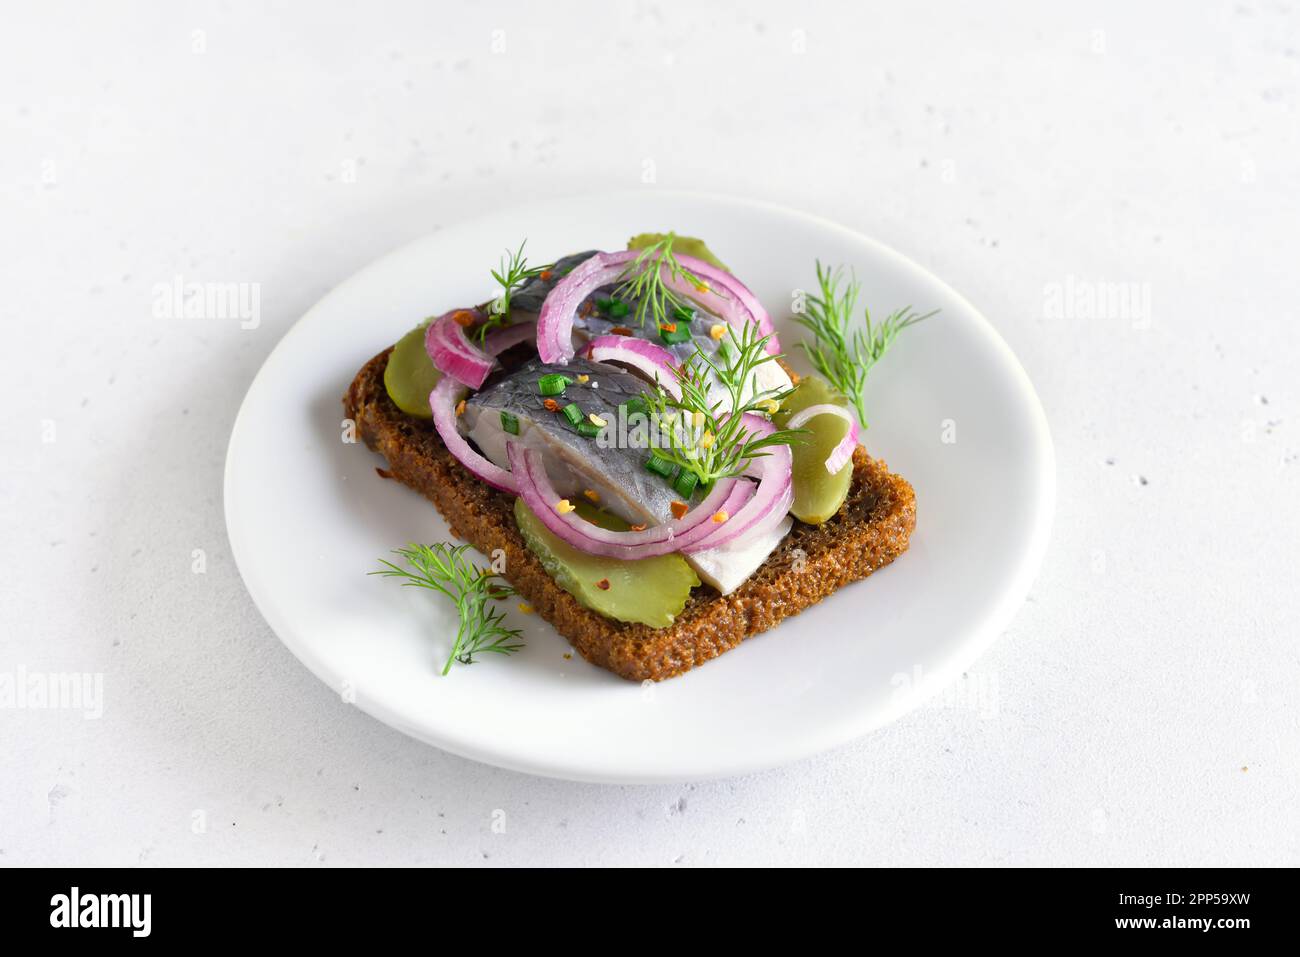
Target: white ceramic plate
[{"x": 308, "y": 518}]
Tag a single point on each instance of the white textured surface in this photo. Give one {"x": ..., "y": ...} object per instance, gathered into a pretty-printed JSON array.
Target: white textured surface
[{"x": 1113, "y": 724}]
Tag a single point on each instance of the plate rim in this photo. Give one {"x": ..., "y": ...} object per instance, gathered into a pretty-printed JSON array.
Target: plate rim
[{"x": 832, "y": 736}]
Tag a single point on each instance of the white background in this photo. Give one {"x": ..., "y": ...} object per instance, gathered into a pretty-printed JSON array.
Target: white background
[{"x": 1140, "y": 710}]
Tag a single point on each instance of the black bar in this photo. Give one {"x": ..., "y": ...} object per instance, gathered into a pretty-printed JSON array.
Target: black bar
[{"x": 328, "y": 906}]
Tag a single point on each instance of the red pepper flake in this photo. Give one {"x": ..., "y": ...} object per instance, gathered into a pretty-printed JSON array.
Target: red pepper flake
[
  {"x": 383, "y": 473},
  {"x": 460, "y": 407},
  {"x": 621, "y": 331},
  {"x": 586, "y": 309},
  {"x": 551, "y": 405},
  {"x": 546, "y": 275},
  {"x": 637, "y": 528},
  {"x": 679, "y": 509},
  {"x": 669, "y": 327},
  {"x": 603, "y": 584},
  {"x": 463, "y": 317}
]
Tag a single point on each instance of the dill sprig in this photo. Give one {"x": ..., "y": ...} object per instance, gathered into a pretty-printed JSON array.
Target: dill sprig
[
  {"x": 512, "y": 272},
  {"x": 643, "y": 282},
  {"x": 705, "y": 431},
  {"x": 445, "y": 569},
  {"x": 844, "y": 356}
]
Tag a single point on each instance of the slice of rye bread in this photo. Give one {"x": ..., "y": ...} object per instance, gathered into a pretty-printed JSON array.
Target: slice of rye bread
[{"x": 868, "y": 532}]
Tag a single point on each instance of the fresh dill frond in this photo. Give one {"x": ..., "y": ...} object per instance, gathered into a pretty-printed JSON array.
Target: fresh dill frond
[
  {"x": 444, "y": 569},
  {"x": 643, "y": 282},
  {"x": 844, "y": 355},
  {"x": 705, "y": 431},
  {"x": 512, "y": 272}
]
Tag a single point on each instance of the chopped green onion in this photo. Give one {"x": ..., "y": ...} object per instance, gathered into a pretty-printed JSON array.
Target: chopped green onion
[
  {"x": 509, "y": 423},
  {"x": 683, "y": 314},
  {"x": 617, "y": 309},
  {"x": 660, "y": 466},
  {"x": 552, "y": 384},
  {"x": 685, "y": 483},
  {"x": 604, "y": 304},
  {"x": 588, "y": 429},
  {"x": 679, "y": 332},
  {"x": 573, "y": 412}
]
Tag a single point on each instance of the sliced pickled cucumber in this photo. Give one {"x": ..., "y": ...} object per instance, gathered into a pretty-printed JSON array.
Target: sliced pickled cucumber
[
  {"x": 817, "y": 494},
  {"x": 649, "y": 591},
  {"x": 686, "y": 245},
  {"x": 410, "y": 376}
]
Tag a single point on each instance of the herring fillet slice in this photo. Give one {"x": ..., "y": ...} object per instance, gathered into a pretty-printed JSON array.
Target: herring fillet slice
[
  {"x": 575, "y": 463},
  {"x": 578, "y": 464}
]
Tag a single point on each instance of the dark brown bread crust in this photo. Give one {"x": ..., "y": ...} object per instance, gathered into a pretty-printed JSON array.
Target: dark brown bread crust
[{"x": 869, "y": 532}]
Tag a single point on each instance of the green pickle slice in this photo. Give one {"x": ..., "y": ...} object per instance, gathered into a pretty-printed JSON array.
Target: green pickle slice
[
  {"x": 818, "y": 495},
  {"x": 647, "y": 591},
  {"x": 410, "y": 376}
]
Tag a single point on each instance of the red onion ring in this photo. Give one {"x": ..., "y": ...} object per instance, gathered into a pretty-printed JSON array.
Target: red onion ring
[
  {"x": 841, "y": 454},
  {"x": 443, "y": 400},
  {"x": 771, "y": 501},
  {"x": 654, "y": 360},
  {"x": 734, "y": 301},
  {"x": 540, "y": 496},
  {"x": 452, "y": 352},
  {"x": 448, "y": 393},
  {"x": 555, "y": 321}
]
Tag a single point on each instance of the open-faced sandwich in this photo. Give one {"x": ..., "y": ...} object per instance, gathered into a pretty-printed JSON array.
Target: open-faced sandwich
[{"x": 619, "y": 434}]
